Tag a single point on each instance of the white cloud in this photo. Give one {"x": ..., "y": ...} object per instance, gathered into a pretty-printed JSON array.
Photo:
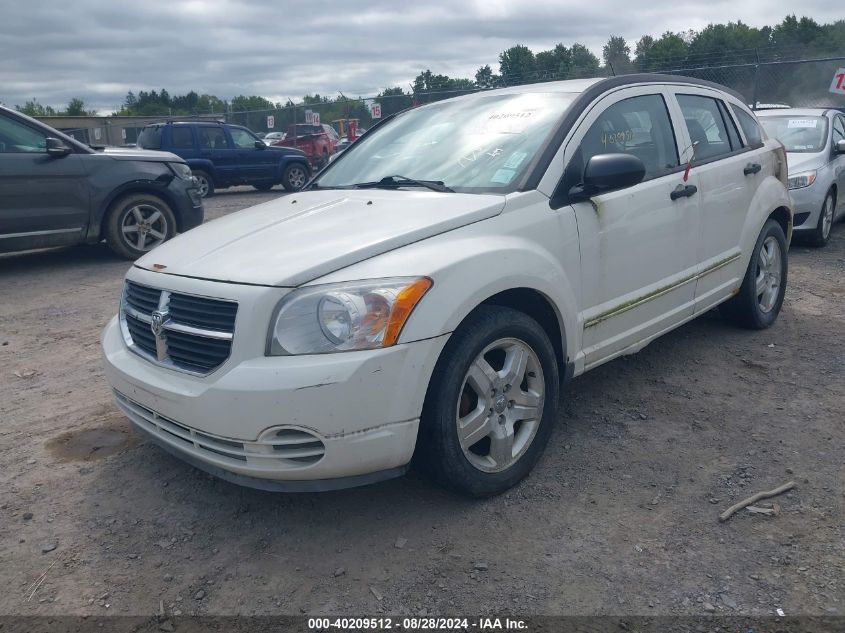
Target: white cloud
[{"x": 280, "y": 48}]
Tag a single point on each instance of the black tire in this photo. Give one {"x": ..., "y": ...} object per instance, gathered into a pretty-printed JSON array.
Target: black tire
[
  {"x": 439, "y": 449},
  {"x": 294, "y": 176},
  {"x": 821, "y": 234},
  {"x": 205, "y": 183},
  {"x": 745, "y": 308},
  {"x": 118, "y": 220},
  {"x": 264, "y": 186}
]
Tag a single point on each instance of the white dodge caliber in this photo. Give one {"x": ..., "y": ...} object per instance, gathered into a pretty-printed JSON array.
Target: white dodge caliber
[{"x": 426, "y": 295}]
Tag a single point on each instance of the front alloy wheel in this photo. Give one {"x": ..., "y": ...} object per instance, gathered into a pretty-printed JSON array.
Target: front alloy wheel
[
  {"x": 491, "y": 403},
  {"x": 294, "y": 177},
  {"x": 501, "y": 405},
  {"x": 821, "y": 234},
  {"x": 144, "y": 227},
  {"x": 137, "y": 223}
]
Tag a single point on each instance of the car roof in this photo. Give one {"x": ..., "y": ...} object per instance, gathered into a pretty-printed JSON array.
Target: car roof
[
  {"x": 794, "y": 112},
  {"x": 598, "y": 85}
]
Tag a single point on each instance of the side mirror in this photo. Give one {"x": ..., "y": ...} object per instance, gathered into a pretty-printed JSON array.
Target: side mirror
[
  {"x": 606, "y": 172},
  {"x": 260, "y": 144},
  {"x": 839, "y": 147},
  {"x": 57, "y": 148}
]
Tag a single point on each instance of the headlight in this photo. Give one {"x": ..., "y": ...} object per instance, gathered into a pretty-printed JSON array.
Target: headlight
[
  {"x": 181, "y": 170},
  {"x": 799, "y": 181},
  {"x": 344, "y": 317}
]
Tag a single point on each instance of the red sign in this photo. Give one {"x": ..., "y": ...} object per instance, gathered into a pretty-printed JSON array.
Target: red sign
[
  {"x": 837, "y": 86},
  {"x": 375, "y": 110}
]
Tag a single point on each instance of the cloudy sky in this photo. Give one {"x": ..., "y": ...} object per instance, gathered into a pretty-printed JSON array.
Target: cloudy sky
[{"x": 97, "y": 50}]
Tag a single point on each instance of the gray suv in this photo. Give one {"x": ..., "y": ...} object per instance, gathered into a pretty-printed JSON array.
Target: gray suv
[{"x": 55, "y": 191}]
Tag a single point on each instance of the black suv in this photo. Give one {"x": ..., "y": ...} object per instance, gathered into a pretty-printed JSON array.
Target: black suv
[
  {"x": 224, "y": 155},
  {"x": 55, "y": 191}
]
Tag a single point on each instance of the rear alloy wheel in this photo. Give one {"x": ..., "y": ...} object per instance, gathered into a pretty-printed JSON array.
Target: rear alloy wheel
[
  {"x": 821, "y": 235},
  {"x": 491, "y": 404},
  {"x": 205, "y": 185},
  {"x": 294, "y": 177},
  {"x": 137, "y": 224},
  {"x": 760, "y": 297}
]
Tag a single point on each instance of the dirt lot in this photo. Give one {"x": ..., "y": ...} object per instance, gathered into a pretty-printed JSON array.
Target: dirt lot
[{"x": 620, "y": 516}]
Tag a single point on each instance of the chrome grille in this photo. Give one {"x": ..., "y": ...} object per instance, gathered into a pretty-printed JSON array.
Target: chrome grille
[{"x": 177, "y": 330}]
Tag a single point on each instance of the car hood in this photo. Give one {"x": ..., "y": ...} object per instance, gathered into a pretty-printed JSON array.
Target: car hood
[
  {"x": 300, "y": 237},
  {"x": 801, "y": 161},
  {"x": 286, "y": 151},
  {"x": 135, "y": 153}
]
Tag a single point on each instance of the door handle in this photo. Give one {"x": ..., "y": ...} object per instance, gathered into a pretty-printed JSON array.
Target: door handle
[
  {"x": 683, "y": 192},
  {"x": 751, "y": 168}
]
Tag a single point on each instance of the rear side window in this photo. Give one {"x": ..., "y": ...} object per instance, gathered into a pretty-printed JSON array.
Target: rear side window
[
  {"x": 707, "y": 127},
  {"x": 213, "y": 138},
  {"x": 183, "y": 138},
  {"x": 749, "y": 126},
  {"x": 150, "y": 138},
  {"x": 638, "y": 126}
]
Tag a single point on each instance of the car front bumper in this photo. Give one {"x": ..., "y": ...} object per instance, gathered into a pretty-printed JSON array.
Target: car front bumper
[
  {"x": 808, "y": 203},
  {"x": 285, "y": 423}
]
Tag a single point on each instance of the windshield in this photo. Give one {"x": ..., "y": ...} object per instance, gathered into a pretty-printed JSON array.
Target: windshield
[
  {"x": 803, "y": 134},
  {"x": 476, "y": 145}
]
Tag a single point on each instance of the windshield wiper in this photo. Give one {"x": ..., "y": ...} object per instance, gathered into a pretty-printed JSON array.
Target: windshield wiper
[{"x": 403, "y": 181}]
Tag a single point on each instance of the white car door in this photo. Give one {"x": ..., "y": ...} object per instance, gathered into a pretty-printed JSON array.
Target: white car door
[
  {"x": 638, "y": 244},
  {"x": 728, "y": 172}
]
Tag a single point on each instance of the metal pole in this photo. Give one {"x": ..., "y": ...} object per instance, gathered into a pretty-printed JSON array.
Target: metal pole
[{"x": 756, "y": 80}]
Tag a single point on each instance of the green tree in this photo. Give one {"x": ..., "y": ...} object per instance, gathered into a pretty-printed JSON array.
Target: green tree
[
  {"x": 76, "y": 107},
  {"x": 669, "y": 51},
  {"x": 484, "y": 77},
  {"x": 517, "y": 65},
  {"x": 584, "y": 63},
  {"x": 555, "y": 63},
  {"x": 793, "y": 32},
  {"x": 733, "y": 41},
  {"x": 617, "y": 54},
  {"x": 34, "y": 108}
]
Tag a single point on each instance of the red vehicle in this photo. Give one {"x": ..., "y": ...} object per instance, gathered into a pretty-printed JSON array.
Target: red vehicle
[{"x": 311, "y": 139}]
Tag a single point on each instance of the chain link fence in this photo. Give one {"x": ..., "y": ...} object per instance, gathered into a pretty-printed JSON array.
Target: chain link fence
[{"x": 772, "y": 82}]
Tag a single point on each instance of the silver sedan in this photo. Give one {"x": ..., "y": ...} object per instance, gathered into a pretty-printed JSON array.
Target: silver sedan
[{"x": 815, "y": 147}]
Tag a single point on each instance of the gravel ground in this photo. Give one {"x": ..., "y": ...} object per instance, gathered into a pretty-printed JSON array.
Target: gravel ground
[{"x": 619, "y": 517}]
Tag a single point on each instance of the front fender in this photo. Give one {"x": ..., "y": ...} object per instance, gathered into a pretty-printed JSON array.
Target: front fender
[{"x": 536, "y": 249}]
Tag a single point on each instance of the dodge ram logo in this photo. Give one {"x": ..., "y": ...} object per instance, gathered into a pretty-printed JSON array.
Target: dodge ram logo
[{"x": 157, "y": 323}]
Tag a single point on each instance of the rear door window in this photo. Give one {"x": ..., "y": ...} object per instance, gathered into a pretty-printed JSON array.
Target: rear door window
[
  {"x": 213, "y": 138},
  {"x": 183, "y": 137},
  {"x": 707, "y": 127}
]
